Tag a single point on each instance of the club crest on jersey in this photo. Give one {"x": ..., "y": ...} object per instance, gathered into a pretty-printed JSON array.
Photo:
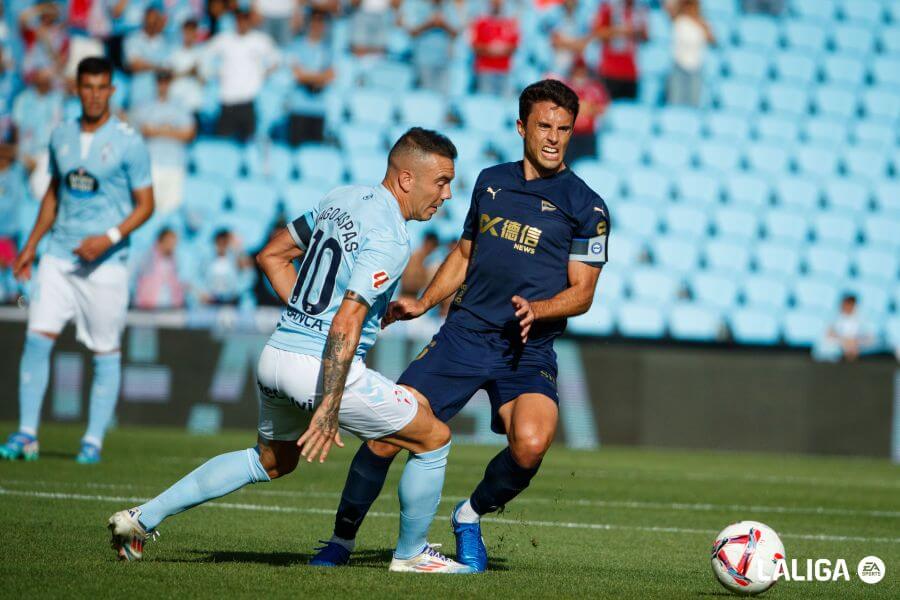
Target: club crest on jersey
[
  {"x": 379, "y": 279},
  {"x": 493, "y": 192},
  {"x": 81, "y": 183},
  {"x": 106, "y": 154},
  {"x": 547, "y": 206}
]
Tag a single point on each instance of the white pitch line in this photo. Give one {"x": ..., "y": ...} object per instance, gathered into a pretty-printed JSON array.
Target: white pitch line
[{"x": 524, "y": 522}]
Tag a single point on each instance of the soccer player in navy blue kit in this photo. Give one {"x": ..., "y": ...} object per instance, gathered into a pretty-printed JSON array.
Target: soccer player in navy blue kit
[{"x": 533, "y": 245}]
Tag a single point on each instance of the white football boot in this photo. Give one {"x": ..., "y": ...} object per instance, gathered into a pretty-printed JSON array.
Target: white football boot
[
  {"x": 429, "y": 561},
  {"x": 128, "y": 536}
]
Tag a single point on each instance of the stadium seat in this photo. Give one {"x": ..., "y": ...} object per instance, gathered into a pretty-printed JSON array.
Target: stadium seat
[
  {"x": 270, "y": 161},
  {"x": 725, "y": 126},
  {"x": 754, "y": 326},
  {"x": 835, "y": 227},
  {"x": 876, "y": 265},
  {"x": 355, "y": 139},
  {"x": 203, "y": 196},
  {"x": 638, "y": 219},
  {"x": 686, "y": 221},
  {"x": 747, "y": 191},
  {"x": 301, "y": 196},
  {"x": 629, "y": 118},
  {"x": 747, "y": 65},
  {"x": 390, "y": 76},
  {"x": 621, "y": 150},
  {"x": 216, "y": 158},
  {"x": 887, "y": 196},
  {"x": 603, "y": 180},
  {"x": 367, "y": 168},
  {"x": 798, "y": 193},
  {"x": 759, "y": 33},
  {"x": 816, "y": 294},
  {"x": 881, "y": 105},
  {"x": 719, "y": 290},
  {"x": 675, "y": 253},
  {"x": 764, "y": 292},
  {"x": 865, "y": 12},
  {"x": 727, "y": 255},
  {"x": 722, "y": 9},
  {"x": 597, "y": 321},
  {"x": 815, "y": 9},
  {"x": 777, "y": 129},
  {"x": 844, "y": 70},
  {"x": 719, "y": 156},
  {"x": 654, "y": 60},
  {"x": 698, "y": 187},
  {"x": 803, "y": 327},
  {"x": 778, "y": 259},
  {"x": 847, "y": 194},
  {"x": 471, "y": 145},
  {"x": 648, "y": 184},
  {"x": 786, "y": 225},
  {"x": 816, "y": 161},
  {"x": 610, "y": 287},
  {"x": 873, "y": 298},
  {"x": 787, "y": 99},
  {"x": 256, "y": 197},
  {"x": 371, "y": 108},
  {"x": 736, "y": 224},
  {"x": 734, "y": 95},
  {"x": 853, "y": 39},
  {"x": 825, "y": 260},
  {"x": 693, "y": 322},
  {"x": 627, "y": 248},
  {"x": 874, "y": 135},
  {"x": 794, "y": 68},
  {"x": 805, "y": 35},
  {"x": 320, "y": 163},
  {"x": 834, "y": 101},
  {"x": 483, "y": 113},
  {"x": 641, "y": 320},
  {"x": 864, "y": 163},
  {"x": 669, "y": 153},
  {"x": 882, "y": 231},
  {"x": 886, "y": 71},
  {"x": 423, "y": 108},
  {"x": 829, "y": 133},
  {"x": 892, "y": 331},
  {"x": 680, "y": 122},
  {"x": 890, "y": 38},
  {"x": 654, "y": 284}
]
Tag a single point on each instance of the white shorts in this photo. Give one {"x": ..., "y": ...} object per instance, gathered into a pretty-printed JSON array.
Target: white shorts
[
  {"x": 95, "y": 296},
  {"x": 290, "y": 387}
]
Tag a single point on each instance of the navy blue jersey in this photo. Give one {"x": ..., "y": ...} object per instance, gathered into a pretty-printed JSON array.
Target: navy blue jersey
[{"x": 524, "y": 233}]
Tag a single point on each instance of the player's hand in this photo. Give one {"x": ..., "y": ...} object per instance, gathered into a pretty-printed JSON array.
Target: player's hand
[
  {"x": 93, "y": 247},
  {"x": 525, "y": 314},
  {"x": 403, "y": 309},
  {"x": 321, "y": 433},
  {"x": 22, "y": 265}
]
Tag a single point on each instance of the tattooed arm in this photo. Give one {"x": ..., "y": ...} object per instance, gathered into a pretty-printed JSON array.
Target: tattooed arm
[{"x": 340, "y": 348}]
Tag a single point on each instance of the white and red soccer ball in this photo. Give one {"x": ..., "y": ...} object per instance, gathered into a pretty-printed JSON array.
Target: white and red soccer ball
[{"x": 746, "y": 557}]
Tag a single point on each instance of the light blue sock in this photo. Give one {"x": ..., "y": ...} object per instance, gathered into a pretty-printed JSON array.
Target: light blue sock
[
  {"x": 214, "y": 478},
  {"x": 420, "y": 494},
  {"x": 104, "y": 395},
  {"x": 34, "y": 372}
]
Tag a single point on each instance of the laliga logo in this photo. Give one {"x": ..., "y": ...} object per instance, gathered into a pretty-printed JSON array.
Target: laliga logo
[{"x": 870, "y": 570}]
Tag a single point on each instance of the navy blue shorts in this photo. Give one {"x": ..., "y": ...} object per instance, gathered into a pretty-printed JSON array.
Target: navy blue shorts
[{"x": 460, "y": 361}]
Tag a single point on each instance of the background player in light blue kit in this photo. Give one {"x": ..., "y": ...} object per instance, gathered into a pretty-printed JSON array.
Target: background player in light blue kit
[
  {"x": 99, "y": 193},
  {"x": 311, "y": 374}
]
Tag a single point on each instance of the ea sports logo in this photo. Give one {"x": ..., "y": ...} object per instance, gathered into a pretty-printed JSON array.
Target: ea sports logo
[{"x": 871, "y": 569}]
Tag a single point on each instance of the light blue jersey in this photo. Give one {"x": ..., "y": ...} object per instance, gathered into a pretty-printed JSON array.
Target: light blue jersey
[
  {"x": 355, "y": 240},
  {"x": 95, "y": 186}
]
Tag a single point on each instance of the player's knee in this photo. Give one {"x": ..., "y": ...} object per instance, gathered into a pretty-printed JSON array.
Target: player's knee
[
  {"x": 278, "y": 463},
  {"x": 528, "y": 450},
  {"x": 438, "y": 437},
  {"x": 383, "y": 449}
]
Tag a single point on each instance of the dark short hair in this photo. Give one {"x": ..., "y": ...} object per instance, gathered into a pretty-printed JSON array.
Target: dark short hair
[
  {"x": 424, "y": 141},
  {"x": 848, "y": 297},
  {"x": 431, "y": 236},
  {"x": 220, "y": 233},
  {"x": 190, "y": 24},
  {"x": 547, "y": 90},
  {"x": 94, "y": 65},
  {"x": 165, "y": 75},
  {"x": 164, "y": 232}
]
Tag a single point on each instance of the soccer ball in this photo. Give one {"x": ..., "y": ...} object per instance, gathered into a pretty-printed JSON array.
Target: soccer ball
[{"x": 745, "y": 557}]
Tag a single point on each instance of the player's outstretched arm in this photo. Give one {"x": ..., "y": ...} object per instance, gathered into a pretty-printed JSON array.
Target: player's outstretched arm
[
  {"x": 276, "y": 260},
  {"x": 572, "y": 301},
  {"x": 340, "y": 349},
  {"x": 43, "y": 223}
]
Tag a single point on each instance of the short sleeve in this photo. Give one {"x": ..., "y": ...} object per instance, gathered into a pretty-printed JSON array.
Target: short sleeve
[
  {"x": 591, "y": 239},
  {"x": 301, "y": 229},
  {"x": 137, "y": 163},
  {"x": 379, "y": 265},
  {"x": 470, "y": 226}
]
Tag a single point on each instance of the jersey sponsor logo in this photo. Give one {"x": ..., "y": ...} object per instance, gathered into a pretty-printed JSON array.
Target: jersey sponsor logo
[
  {"x": 81, "y": 183},
  {"x": 493, "y": 192},
  {"x": 547, "y": 206},
  {"x": 379, "y": 279},
  {"x": 304, "y": 320},
  {"x": 525, "y": 238}
]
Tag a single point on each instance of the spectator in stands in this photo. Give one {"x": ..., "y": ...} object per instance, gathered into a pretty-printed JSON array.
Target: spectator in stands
[
  {"x": 146, "y": 51},
  {"x": 592, "y": 100},
  {"x": 185, "y": 62},
  {"x": 229, "y": 273},
  {"x": 13, "y": 193},
  {"x": 36, "y": 111},
  {"x": 621, "y": 26},
  {"x": 168, "y": 127},
  {"x": 769, "y": 7},
  {"x": 568, "y": 32},
  {"x": 691, "y": 34},
  {"x": 417, "y": 273},
  {"x": 495, "y": 38},
  {"x": 278, "y": 18},
  {"x": 46, "y": 39},
  {"x": 159, "y": 286},
  {"x": 9, "y": 88},
  {"x": 433, "y": 26},
  {"x": 310, "y": 61},
  {"x": 245, "y": 58},
  {"x": 125, "y": 17},
  {"x": 370, "y": 24},
  {"x": 847, "y": 337}
]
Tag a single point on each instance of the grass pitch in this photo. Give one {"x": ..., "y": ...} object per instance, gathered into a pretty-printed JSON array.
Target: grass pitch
[{"x": 616, "y": 523}]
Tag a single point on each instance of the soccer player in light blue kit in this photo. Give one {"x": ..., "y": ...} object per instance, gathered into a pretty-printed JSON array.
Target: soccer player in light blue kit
[
  {"x": 99, "y": 193},
  {"x": 311, "y": 374}
]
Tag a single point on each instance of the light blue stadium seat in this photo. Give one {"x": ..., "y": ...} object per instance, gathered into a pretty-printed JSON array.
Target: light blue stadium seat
[
  {"x": 788, "y": 99},
  {"x": 694, "y": 322},
  {"x": 320, "y": 163},
  {"x": 719, "y": 156},
  {"x": 736, "y": 224},
  {"x": 887, "y": 196},
  {"x": 882, "y": 231},
  {"x": 864, "y": 163},
  {"x": 676, "y": 253},
  {"x": 727, "y": 255},
  {"x": 747, "y": 191},
  {"x": 269, "y": 161},
  {"x": 686, "y": 221},
  {"x": 254, "y": 197},
  {"x": 853, "y": 39},
  {"x": 890, "y": 38},
  {"x": 483, "y": 113},
  {"x": 816, "y": 161},
  {"x": 765, "y": 292},
  {"x": 786, "y": 225},
  {"x": 203, "y": 194},
  {"x": 367, "y": 169},
  {"x": 803, "y": 327},
  {"x": 719, "y": 290},
  {"x": 759, "y": 33},
  {"x": 768, "y": 159},
  {"x": 603, "y": 180},
  {"x": 390, "y": 76},
  {"x": 610, "y": 287},
  {"x": 835, "y": 102},
  {"x": 728, "y": 126},
  {"x": 638, "y": 219},
  {"x": 680, "y": 122},
  {"x": 754, "y": 326},
  {"x": 798, "y": 192},
  {"x": 300, "y": 197},
  {"x": 875, "y": 264},
  {"x": 747, "y": 65},
  {"x": 627, "y": 117},
  {"x": 654, "y": 59},
  {"x": 735, "y": 95},
  {"x": 816, "y": 294},
  {"x": 808, "y": 36},
  {"x": 886, "y": 70},
  {"x": 873, "y": 298},
  {"x": 721, "y": 8},
  {"x": 216, "y": 158},
  {"x": 777, "y": 129},
  {"x": 865, "y": 12},
  {"x": 670, "y": 153},
  {"x": 827, "y": 260},
  {"x": 844, "y": 70},
  {"x": 848, "y": 195},
  {"x": 471, "y": 145},
  {"x": 626, "y": 248},
  {"x": 621, "y": 150},
  {"x": 881, "y": 104},
  {"x": 597, "y": 321},
  {"x": 830, "y": 133},
  {"x": 778, "y": 259},
  {"x": 355, "y": 139},
  {"x": 654, "y": 284},
  {"x": 371, "y": 107},
  {"x": 641, "y": 320},
  {"x": 648, "y": 184},
  {"x": 874, "y": 134},
  {"x": 794, "y": 68},
  {"x": 892, "y": 331},
  {"x": 423, "y": 108},
  {"x": 824, "y": 10},
  {"x": 836, "y": 227},
  {"x": 893, "y": 11},
  {"x": 698, "y": 187}
]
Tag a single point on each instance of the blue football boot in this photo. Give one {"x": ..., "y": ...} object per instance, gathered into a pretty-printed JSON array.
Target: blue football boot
[
  {"x": 88, "y": 455},
  {"x": 20, "y": 445},
  {"x": 331, "y": 554},
  {"x": 470, "y": 549}
]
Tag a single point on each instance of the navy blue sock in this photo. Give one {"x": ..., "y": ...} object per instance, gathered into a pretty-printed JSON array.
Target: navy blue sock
[
  {"x": 364, "y": 482},
  {"x": 503, "y": 480}
]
